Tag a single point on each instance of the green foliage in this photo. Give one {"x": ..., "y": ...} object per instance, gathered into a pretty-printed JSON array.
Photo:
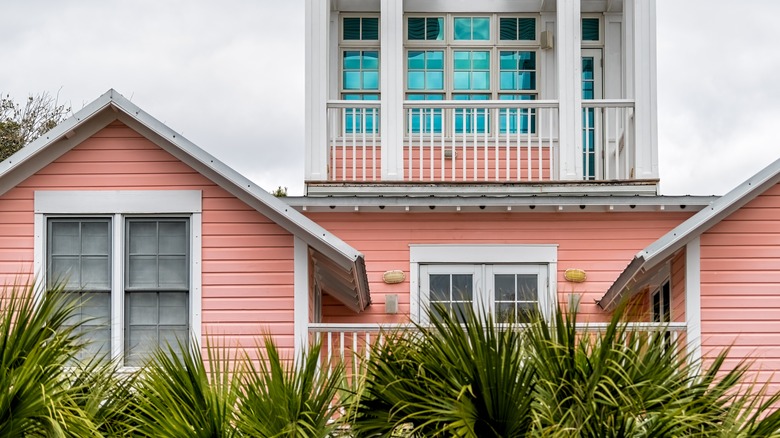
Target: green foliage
[
  {"x": 178, "y": 396},
  {"x": 549, "y": 379},
  {"x": 285, "y": 399},
  {"x": 38, "y": 396},
  {"x": 21, "y": 124},
  {"x": 280, "y": 192}
]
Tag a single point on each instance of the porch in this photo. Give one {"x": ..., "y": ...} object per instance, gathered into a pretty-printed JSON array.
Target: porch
[{"x": 498, "y": 142}]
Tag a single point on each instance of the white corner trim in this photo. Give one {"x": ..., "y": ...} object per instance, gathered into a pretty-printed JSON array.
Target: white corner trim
[
  {"x": 693, "y": 298},
  {"x": 301, "y": 296},
  {"x": 196, "y": 277},
  {"x": 118, "y": 201}
]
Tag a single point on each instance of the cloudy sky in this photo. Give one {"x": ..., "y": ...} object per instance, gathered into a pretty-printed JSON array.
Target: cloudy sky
[{"x": 229, "y": 76}]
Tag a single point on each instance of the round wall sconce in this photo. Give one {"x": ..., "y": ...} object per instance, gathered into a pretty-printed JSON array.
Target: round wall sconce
[
  {"x": 393, "y": 277},
  {"x": 575, "y": 275}
]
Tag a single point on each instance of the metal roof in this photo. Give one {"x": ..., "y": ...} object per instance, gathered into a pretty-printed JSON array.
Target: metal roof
[
  {"x": 345, "y": 263},
  {"x": 674, "y": 240}
]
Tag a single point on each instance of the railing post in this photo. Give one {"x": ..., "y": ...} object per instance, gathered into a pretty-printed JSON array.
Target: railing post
[
  {"x": 392, "y": 89},
  {"x": 569, "y": 89}
]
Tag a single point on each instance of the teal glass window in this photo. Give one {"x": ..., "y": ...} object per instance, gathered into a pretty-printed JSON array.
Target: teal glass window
[
  {"x": 588, "y": 119},
  {"x": 425, "y": 28},
  {"x": 360, "y": 29},
  {"x": 425, "y": 70},
  {"x": 590, "y": 29},
  {"x": 517, "y": 29},
  {"x": 517, "y": 70},
  {"x": 471, "y": 70},
  {"x": 471, "y": 120},
  {"x": 471, "y": 28},
  {"x": 425, "y": 120},
  {"x": 517, "y": 120},
  {"x": 359, "y": 120},
  {"x": 360, "y": 70}
]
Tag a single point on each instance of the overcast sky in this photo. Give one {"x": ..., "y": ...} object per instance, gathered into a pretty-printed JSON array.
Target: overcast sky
[{"x": 229, "y": 76}]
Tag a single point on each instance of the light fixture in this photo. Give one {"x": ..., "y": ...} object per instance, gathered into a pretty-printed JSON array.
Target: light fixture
[
  {"x": 393, "y": 277},
  {"x": 575, "y": 275}
]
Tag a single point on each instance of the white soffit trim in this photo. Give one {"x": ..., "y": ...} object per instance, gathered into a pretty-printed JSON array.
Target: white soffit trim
[{"x": 677, "y": 238}]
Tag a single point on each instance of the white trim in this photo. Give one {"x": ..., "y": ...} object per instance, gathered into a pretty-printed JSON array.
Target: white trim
[
  {"x": 118, "y": 201},
  {"x": 116, "y": 205},
  {"x": 645, "y": 89},
  {"x": 568, "y": 50},
  {"x": 301, "y": 296},
  {"x": 693, "y": 298},
  {"x": 317, "y": 28},
  {"x": 482, "y": 254},
  {"x": 391, "y": 87}
]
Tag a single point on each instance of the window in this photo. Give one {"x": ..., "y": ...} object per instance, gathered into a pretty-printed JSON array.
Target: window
[
  {"x": 360, "y": 71},
  {"x": 452, "y": 57},
  {"x": 661, "y": 300},
  {"x": 136, "y": 274},
  {"x": 513, "y": 282}
]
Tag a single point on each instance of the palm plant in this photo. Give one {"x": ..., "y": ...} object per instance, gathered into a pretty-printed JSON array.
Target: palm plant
[
  {"x": 178, "y": 394},
  {"x": 38, "y": 396},
  {"x": 288, "y": 399},
  {"x": 449, "y": 379},
  {"x": 549, "y": 379}
]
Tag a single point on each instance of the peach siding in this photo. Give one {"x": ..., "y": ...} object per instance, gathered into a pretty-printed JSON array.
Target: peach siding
[
  {"x": 740, "y": 285},
  {"x": 427, "y": 163},
  {"x": 602, "y": 244},
  {"x": 247, "y": 270},
  {"x": 678, "y": 287}
]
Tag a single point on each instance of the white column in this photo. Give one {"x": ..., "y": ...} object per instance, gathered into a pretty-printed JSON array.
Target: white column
[
  {"x": 316, "y": 132},
  {"x": 568, "y": 48},
  {"x": 693, "y": 298},
  {"x": 645, "y": 89},
  {"x": 300, "y": 296},
  {"x": 392, "y": 89}
]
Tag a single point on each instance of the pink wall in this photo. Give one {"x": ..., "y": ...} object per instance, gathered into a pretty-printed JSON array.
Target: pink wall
[
  {"x": 247, "y": 259},
  {"x": 740, "y": 285},
  {"x": 427, "y": 163},
  {"x": 600, "y": 243}
]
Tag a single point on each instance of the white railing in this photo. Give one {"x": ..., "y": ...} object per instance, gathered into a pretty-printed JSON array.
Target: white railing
[
  {"x": 352, "y": 344},
  {"x": 480, "y": 141},
  {"x": 608, "y": 139}
]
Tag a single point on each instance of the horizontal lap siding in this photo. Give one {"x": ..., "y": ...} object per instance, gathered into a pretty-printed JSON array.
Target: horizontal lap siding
[
  {"x": 247, "y": 269},
  {"x": 601, "y": 244},
  {"x": 740, "y": 285}
]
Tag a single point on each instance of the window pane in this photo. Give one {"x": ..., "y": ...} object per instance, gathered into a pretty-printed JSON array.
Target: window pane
[
  {"x": 526, "y": 29},
  {"x": 590, "y": 29},
  {"x": 371, "y": 80},
  {"x": 434, "y": 28},
  {"x": 370, "y": 28},
  {"x": 481, "y": 28},
  {"x": 142, "y": 271},
  {"x": 462, "y": 28},
  {"x": 415, "y": 60},
  {"x": 415, "y": 80},
  {"x": 370, "y": 60},
  {"x": 351, "y": 28},
  {"x": 78, "y": 253},
  {"x": 462, "y": 287},
  {"x": 95, "y": 273},
  {"x": 351, "y": 60},
  {"x": 527, "y": 287},
  {"x": 415, "y": 28},
  {"x": 65, "y": 238},
  {"x": 173, "y": 272},
  {"x": 505, "y": 287},
  {"x": 507, "y": 28},
  {"x": 439, "y": 287},
  {"x": 64, "y": 270},
  {"x": 434, "y": 80},
  {"x": 143, "y": 237},
  {"x": 173, "y": 238},
  {"x": 154, "y": 319},
  {"x": 95, "y": 239},
  {"x": 481, "y": 60}
]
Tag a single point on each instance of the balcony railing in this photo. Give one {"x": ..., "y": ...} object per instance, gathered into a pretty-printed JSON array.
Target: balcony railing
[
  {"x": 353, "y": 344},
  {"x": 505, "y": 141}
]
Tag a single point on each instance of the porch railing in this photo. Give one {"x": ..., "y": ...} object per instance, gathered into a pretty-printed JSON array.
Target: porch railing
[
  {"x": 502, "y": 141},
  {"x": 353, "y": 344}
]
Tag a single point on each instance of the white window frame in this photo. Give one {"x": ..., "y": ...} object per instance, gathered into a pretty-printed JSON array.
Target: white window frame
[
  {"x": 491, "y": 258},
  {"x": 119, "y": 205}
]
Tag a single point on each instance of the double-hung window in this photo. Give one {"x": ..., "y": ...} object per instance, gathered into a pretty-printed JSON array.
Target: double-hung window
[
  {"x": 134, "y": 273},
  {"x": 360, "y": 71},
  {"x": 512, "y": 282},
  {"x": 471, "y": 58}
]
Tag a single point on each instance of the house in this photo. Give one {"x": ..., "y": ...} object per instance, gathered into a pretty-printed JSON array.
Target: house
[{"x": 499, "y": 154}]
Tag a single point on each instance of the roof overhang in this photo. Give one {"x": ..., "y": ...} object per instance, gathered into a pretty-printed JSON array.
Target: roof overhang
[
  {"x": 343, "y": 260},
  {"x": 664, "y": 248}
]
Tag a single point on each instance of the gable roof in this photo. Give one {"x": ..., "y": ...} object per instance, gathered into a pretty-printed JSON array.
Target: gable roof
[
  {"x": 339, "y": 268},
  {"x": 663, "y": 248}
]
